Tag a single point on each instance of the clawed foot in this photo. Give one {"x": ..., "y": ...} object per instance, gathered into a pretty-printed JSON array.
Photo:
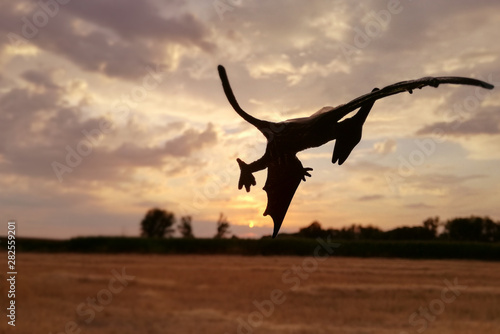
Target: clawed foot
[
  {"x": 306, "y": 173},
  {"x": 246, "y": 177}
]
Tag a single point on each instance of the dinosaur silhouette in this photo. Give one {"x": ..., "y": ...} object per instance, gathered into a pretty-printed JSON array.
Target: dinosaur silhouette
[{"x": 285, "y": 139}]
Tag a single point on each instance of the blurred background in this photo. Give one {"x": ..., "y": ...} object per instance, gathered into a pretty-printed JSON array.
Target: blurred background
[{"x": 112, "y": 109}]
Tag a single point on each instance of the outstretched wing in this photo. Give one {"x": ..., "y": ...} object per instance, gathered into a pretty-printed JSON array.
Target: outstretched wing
[
  {"x": 404, "y": 86},
  {"x": 350, "y": 132},
  {"x": 283, "y": 177}
]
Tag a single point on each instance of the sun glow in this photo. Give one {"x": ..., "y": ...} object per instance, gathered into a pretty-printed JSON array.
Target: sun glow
[{"x": 251, "y": 224}]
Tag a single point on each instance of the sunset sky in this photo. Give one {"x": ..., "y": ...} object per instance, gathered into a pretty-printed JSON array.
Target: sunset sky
[{"x": 110, "y": 108}]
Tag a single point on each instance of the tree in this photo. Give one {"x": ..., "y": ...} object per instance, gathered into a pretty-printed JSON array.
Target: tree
[
  {"x": 409, "y": 233},
  {"x": 351, "y": 232},
  {"x": 313, "y": 231},
  {"x": 222, "y": 227},
  {"x": 370, "y": 232},
  {"x": 157, "y": 223},
  {"x": 472, "y": 229},
  {"x": 432, "y": 224},
  {"x": 185, "y": 227}
]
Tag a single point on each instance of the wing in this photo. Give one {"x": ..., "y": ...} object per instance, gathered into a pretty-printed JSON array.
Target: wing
[
  {"x": 283, "y": 177},
  {"x": 404, "y": 86},
  {"x": 350, "y": 132}
]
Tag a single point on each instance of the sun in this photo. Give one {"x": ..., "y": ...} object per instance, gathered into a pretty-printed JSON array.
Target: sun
[{"x": 250, "y": 224}]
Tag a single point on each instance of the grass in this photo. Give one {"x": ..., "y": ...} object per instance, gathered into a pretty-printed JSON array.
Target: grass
[{"x": 217, "y": 293}]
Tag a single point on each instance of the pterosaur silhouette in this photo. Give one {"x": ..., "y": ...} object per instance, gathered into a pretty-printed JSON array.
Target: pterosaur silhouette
[{"x": 285, "y": 139}]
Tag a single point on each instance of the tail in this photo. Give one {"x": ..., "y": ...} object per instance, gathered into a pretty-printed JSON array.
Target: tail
[{"x": 259, "y": 124}]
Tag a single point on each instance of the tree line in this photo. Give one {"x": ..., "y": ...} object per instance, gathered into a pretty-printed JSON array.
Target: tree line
[
  {"x": 159, "y": 223},
  {"x": 473, "y": 228}
]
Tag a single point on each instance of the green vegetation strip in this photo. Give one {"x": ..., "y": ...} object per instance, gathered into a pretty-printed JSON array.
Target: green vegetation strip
[{"x": 435, "y": 249}]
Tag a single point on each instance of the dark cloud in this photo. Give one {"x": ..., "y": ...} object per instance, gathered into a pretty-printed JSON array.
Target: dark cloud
[
  {"x": 39, "y": 78},
  {"x": 139, "y": 39},
  {"x": 440, "y": 180},
  {"x": 482, "y": 122},
  {"x": 141, "y": 19},
  {"x": 38, "y": 128},
  {"x": 130, "y": 154},
  {"x": 419, "y": 206},
  {"x": 370, "y": 198},
  {"x": 191, "y": 140},
  {"x": 39, "y": 197},
  {"x": 35, "y": 127},
  {"x": 19, "y": 110}
]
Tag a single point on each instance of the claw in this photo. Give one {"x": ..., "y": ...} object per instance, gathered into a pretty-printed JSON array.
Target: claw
[
  {"x": 246, "y": 177},
  {"x": 306, "y": 173}
]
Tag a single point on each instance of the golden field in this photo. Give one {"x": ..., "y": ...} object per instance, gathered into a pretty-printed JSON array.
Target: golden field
[{"x": 79, "y": 293}]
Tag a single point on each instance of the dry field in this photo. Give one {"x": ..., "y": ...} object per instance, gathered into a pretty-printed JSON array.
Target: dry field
[{"x": 75, "y": 293}]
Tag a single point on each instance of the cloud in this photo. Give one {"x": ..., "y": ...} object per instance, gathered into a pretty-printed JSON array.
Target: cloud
[
  {"x": 38, "y": 127},
  {"x": 438, "y": 184},
  {"x": 115, "y": 38},
  {"x": 39, "y": 78},
  {"x": 283, "y": 54},
  {"x": 133, "y": 20},
  {"x": 385, "y": 147},
  {"x": 418, "y": 206},
  {"x": 370, "y": 198},
  {"x": 191, "y": 140},
  {"x": 484, "y": 122}
]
